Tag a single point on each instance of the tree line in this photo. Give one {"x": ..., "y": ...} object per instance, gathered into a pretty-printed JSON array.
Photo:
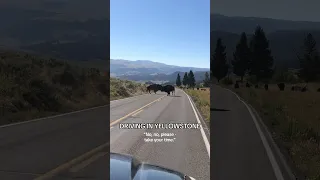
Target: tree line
[
  {"x": 254, "y": 58},
  {"x": 189, "y": 80}
]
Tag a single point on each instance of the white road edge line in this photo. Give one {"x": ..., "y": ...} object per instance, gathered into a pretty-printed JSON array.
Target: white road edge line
[
  {"x": 266, "y": 145},
  {"x": 202, "y": 119},
  {"x": 205, "y": 139},
  {"x": 288, "y": 170},
  {"x": 64, "y": 114}
]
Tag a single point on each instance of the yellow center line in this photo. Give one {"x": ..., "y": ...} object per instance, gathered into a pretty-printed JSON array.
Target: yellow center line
[
  {"x": 137, "y": 112},
  {"x": 87, "y": 162},
  {"x": 81, "y": 158},
  {"x": 71, "y": 163},
  {"x": 133, "y": 112}
]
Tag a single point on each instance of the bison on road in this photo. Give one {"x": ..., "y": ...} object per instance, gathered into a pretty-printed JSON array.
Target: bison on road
[
  {"x": 281, "y": 86},
  {"x": 154, "y": 88},
  {"x": 168, "y": 89}
]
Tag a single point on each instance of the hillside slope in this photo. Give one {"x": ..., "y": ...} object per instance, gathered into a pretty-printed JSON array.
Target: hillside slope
[
  {"x": 237, "y": 25},
  {"x": 33, "y": 86}
]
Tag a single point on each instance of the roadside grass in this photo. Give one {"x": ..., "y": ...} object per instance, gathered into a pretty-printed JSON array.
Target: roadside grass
[
  {"x": 123, "y": 88},
  {"x": 294, "y": 120},
  {"x": 34, "y": 87},
  {"x": 202, "y": 101}
]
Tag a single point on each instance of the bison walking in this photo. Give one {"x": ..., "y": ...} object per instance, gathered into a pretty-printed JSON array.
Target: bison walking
[
  {"x": 168, "y": 89},
  {"x": 154, "y": 88}
]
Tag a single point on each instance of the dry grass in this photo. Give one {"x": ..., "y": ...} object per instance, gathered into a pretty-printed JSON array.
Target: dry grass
[
  {"x": 123, "y": 88},
  {"x": 202, "y": 100},
  {"x": 294, "y": 119},
  {"x": 34, "y": 86}
]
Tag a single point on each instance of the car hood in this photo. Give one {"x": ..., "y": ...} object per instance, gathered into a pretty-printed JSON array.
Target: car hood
[{"x": 126, "y": 167}]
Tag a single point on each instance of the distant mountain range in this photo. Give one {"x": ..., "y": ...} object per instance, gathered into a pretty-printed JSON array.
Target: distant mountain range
[
  {"x": 237, "y": 25},
  {"x": 64, "y": 29},
  {"x": 285, "y": 37},
  {"x": 146, "y": 70},
  {"x": 142, "y": 67}
]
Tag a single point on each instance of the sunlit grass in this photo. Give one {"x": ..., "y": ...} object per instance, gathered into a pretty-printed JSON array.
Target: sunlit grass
[
  {"x": 294, "y": 119},
  {"x": 202, "y": 101}
]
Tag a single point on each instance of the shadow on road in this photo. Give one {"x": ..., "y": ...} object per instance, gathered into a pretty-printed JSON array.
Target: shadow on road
[
  {"x": 175, "y": 96},
  {"x": 216, "y": 109}
]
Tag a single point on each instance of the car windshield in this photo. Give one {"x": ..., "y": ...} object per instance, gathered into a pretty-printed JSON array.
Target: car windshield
[{"x": 147, "y": 172}]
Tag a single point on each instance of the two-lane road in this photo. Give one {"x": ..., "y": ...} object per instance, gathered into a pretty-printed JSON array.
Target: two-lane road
[
  {"x": 76, "y": 145},
  {"x": 187, "y": 153},
  {"x": 50, "y": 147}
]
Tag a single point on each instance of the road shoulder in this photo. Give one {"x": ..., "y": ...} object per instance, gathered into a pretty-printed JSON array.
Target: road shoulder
[{"x": 280, "y": 166}]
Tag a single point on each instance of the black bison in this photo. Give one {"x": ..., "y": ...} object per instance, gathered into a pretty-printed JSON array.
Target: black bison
[
  {"x": 154, "y": 88},
  {"x": 296, "y": 88},
  {"x": 168, "y": 89},
  {"x": 281, "y": 86},
  {"x": 248, "y": 85},
  {"x": 299, "y": 88},
  {"x": 197, "y": 88},
  {"x": 236, "y": 85},
  {"x": 266, "y": 87}
]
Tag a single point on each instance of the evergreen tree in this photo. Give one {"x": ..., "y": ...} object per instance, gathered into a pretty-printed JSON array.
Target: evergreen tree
[
  {"x": 219, "y": 67},
  {"x": 191, "y": 79},
  {"x": 261, "y": 61},
  {"x": 185, "y": 79},
  {"x": 178, "y": 81},
  {"x": 241, "y": 57},
  {"x": 206, "y": 81},
  {"x": 310, "y": 63}
]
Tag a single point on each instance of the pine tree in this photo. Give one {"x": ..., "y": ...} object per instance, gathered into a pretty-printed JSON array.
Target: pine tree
[
  {"x": 178, "y": 81},
  {"x": 241, "y": 57},
  {"x": 310, "y": 63},
  {"x": 191, "y": 79},
  {"x": 206, "y": 81},
  {"x": 219, "y": 67},
  {"x": 261, "y": 61},
  {"x": 185, "y": 79}
]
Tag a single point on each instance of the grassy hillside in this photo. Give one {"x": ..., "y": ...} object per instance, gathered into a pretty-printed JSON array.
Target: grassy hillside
[
  {"x": 124, "y": 88},
  {"x": 33, "y": 86}
]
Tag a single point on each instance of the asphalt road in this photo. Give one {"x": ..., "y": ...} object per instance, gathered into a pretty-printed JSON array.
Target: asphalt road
[
  {"x": 241, "y": 148},
  {"x": 46, "y": 148},
  {"x": 187, "y": 153},
  {"x": 76, "y": 145}
]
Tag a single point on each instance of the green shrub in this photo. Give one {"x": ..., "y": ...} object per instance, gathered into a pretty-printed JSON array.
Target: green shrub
[{"x": 227, "y": 81}]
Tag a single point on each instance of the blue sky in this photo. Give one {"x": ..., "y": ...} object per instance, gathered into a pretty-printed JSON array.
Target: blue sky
[{"x": 175, "y": 32}]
